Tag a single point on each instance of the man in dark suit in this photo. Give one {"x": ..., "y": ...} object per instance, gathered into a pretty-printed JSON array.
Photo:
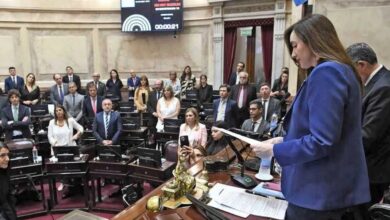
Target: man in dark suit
[
  {"x": 13, "y": 81},
  {"x": 225, "y": 109},
  {"x": 132, "y": 83},
  {"x": 73, "y": 102},
  {"x": 16, "y": 118},
  {"x": 100, "y": 86},
  {"x": 154, "y": 96},
  {"x": 71, "y": 77},
  {"x": 271, "y": 105},
  {"x": 243, "y": 94},
  {"x": 375, "y": 110},
  {"x": 107, "y": 126},
  {"x": 58, "y": 91},
  {"x": 256, "y": 123},
  {"x": 234, "y": 79},
  {"x": 92, "y": 102}
]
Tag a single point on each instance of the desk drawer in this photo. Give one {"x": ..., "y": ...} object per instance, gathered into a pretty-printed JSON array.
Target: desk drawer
[
  {"x": 152, "y": 173},
  {"x": 109, "y": 167},
  {"x": 66, "y": 167}
]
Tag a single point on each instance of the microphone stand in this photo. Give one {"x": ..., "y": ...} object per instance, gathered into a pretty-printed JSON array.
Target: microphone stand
[{"x": 240, "y": 179}]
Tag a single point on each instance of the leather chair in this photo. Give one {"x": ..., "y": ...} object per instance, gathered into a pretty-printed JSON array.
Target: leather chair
[
  {"x": 379, "y": 211},
  {"x": 171, "y": 150}
]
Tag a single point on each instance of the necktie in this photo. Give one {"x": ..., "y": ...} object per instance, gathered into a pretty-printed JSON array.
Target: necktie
[
  {"x": 70, "y": 78},
  {"x": 94, "y": 105},
  {"x": 253, "y": 126},
  {"x": 97, "y": 85},
  {"x": 107, "y": 124},
  {"x": 16, "y": 113},
  {"x": 74, "y": 100},
  {"x": 241, "y": 97},
  {"x": 158, "y": 95},
  {"x": 14, "y": 80},
  {"x": 61, "y": 95}
]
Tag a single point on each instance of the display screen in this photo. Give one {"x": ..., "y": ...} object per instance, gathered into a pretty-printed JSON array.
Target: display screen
[{"x": 151, "y": 15}]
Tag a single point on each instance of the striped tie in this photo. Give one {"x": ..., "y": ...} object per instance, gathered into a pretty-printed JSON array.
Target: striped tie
[{"x": 107, "y": 124}]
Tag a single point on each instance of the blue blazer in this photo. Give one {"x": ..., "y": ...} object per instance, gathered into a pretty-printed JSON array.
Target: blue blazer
[
  {"x": 8, "y": 84},
  {"x": 230, "y": 112},
  {"x": 322, "y": 155},
  {"x": 114, "y": 128}
]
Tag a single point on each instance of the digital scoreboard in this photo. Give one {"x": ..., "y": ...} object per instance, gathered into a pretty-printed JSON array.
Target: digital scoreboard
[{"x": 151, "y": 15}]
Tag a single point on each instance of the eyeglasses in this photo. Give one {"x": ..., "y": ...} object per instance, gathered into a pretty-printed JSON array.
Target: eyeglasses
[{"x": 5, "y": 155}]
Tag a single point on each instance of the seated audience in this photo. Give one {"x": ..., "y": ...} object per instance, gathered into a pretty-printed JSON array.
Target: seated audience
[
  {"x": 107, "y": 126},
  {"x": 15, "y": 118},
  {"x": 100, "y": 86},
  {"x": 92, "y": 102},
  {"x": 256, "y": 123},
  {"x": 167, "y": 107},
  {"x": 58, "y": 91},
  {"x": 73, "y": 102},
  {"x": 271, "y": 105},
  {"x": 174, "y": 83},
  {"x": 187, "y": 81},
  {"x": 142, "y": 94},
  {"x": 30, "y": 93},
  {"x": 13, "y": 81},
  {"x": 7, "y": 206},
  {"x": 154, "y": 96},
  {"x": 71, "y": 77},
  {"x": 205, "y": 92},
  {"x": 114, "y": 84},
  {"x": 60, "y": 130},
  {"x": 280, "y": 90},
  {"x": 225, "y": 109},
  {"x": 133, "y": 82}
]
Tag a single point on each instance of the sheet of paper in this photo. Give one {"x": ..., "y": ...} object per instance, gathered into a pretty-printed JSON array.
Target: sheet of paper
[
  {"x": 216, "y": 190},
  {"x": 239, "y": 200},
  {"x": 243, "y": 138}
]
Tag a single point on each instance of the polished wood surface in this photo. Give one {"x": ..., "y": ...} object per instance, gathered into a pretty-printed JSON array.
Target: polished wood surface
[{"x": 138, "y": 210}]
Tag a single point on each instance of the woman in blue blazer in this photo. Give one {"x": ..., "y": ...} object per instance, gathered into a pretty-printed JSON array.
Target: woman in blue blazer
[{"x": 324, "y": 172}]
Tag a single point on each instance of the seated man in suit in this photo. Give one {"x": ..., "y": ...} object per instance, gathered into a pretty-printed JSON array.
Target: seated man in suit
[
  {"x": 13, "y": 81},
  {"x": 225, "y": 109},
  {"x": 16, "y": 118},
  {"x": 58, "y": 91},
  {"x": 100, "y": 86},
  {"x": 271, "y": 105},
  {"x": 107, "y": 126},
  {"x": 73, "y": 102},
  {"x": 92, "y": 102},
  {"x": 154, "y": 96},
  {"x": 256, "y": 123},
  {"x": 71, "y": 77}
]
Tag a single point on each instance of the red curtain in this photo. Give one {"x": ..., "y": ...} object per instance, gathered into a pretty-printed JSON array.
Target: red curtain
[
  {"x": 267, "y": 34},
  {"x": 229, "y": 51}
]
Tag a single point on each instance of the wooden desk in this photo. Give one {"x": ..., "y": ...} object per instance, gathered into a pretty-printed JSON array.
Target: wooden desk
[
  {"x": 137, "y": 135},
  {"x": 155, "y": 176},
  {"x": 138, "y": 210},
  {"x": 162, "y": 137}
]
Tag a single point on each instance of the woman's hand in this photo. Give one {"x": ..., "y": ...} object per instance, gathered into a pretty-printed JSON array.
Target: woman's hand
[
  {"x": 186, "y": 150},
  {"x": 76, "y": 136},
  {"x": 27, "y": 102},
  {"x": 263, "y": 149},
  {"x": 275, "y": 140}
]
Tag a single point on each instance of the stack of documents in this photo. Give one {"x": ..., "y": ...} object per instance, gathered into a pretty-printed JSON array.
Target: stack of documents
[
  {"x": 266, "y": 191},
  {"x": 237, "y": 202}
]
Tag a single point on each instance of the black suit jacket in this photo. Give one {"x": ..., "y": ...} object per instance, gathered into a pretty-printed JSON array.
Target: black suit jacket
[
  {"x": 114, "y": 128},
  {"x": 233, "y": 78},
  {"x": 231, "y": 112},
  {"x": 152, "y": 101},
  {"x": 244, "y": 110},
  {"x": 376, "y": 126},
  {"x": 76, "y": 79},
  {"x": 273, "y": 107},
  {"x": 205, "y": 95},
  {"x": 23, "y": 126},
  {"x": 87, "y": 106},
  {"x": 101, "y": 90}
]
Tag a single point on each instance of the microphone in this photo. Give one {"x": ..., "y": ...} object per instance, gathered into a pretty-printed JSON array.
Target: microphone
[
  {"x": 39, "y": 196},
  {"x": 241, "y": 179}
]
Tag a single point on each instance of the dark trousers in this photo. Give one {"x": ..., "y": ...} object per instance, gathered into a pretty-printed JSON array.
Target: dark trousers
[
  {"x": 377, "y": 191},
  {"x": 298, "y": 213}
]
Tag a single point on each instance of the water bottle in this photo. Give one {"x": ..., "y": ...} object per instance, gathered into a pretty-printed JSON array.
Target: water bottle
[
  {"x": 274, "y": 122},
  {"x": 35, "y": 154},
  {"x": 264, "y": 173}
]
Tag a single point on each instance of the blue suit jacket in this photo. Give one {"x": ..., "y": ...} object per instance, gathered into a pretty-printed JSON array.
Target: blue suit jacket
[
  {"x": 230, "y": 112},
  {"x": 114, "y": 128},
  {"x": 8, "y": 84},
  {"x": 322, "y": 154}
]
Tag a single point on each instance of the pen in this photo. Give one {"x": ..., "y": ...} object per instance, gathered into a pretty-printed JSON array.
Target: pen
[{"x": 254, "y": 193}]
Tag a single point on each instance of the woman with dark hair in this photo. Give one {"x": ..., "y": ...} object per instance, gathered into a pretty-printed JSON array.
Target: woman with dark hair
[
  {"x": 30, "y": 93},
  {"x": 7, "y": 207},
  {"x": 142, "y": 91},
  {"x": 60, "y": 130},
  {"x": 322, "y": 156},
  {"x": 187, "y": 81},
  {"x": 280, "y": 91},
  {"x": 114, "y": 84},
  {"x": 205, "y": 91},
  {"x": 168, "y": 106}
]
